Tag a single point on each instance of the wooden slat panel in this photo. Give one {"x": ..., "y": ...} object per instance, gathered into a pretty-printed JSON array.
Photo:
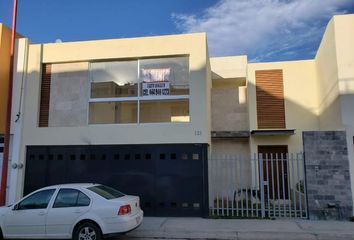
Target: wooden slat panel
[
  {"x": 45, "y": 96},
  {"x": 270, "y": 99}
]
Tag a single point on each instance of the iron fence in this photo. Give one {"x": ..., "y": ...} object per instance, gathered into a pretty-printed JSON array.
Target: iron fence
[{"x": 265, "y": 185}]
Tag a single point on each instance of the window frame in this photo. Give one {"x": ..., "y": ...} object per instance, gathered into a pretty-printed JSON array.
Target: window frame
[
  {"x": 138, "y": 98},
  {"x": 56, "y": 197}
]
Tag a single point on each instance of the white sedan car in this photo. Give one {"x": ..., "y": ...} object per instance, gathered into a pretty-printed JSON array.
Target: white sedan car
[{"x": 71, "y": 211}]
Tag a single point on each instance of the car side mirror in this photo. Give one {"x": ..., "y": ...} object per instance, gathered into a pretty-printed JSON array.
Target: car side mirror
[{"x": 15, "y": 207}]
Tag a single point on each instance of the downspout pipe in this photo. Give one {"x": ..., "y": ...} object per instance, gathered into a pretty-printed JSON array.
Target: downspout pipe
[{"x": 6, "y": 152}]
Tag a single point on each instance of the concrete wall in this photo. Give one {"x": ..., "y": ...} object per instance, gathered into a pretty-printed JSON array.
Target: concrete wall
[
  {"x": 69, "y": 95},
  {"x": 300, "y": 98},
  {"x": 5, "y": 42},
  {"x": 327, "y": 174},
  {"x": 229, "y": 108}
]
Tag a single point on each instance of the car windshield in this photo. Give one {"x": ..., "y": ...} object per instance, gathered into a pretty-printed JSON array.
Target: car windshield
[{"x": 106, "y": 192}]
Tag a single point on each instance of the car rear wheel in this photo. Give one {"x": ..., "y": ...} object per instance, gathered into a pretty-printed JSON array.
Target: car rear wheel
[{"x": 87, "y": 231}]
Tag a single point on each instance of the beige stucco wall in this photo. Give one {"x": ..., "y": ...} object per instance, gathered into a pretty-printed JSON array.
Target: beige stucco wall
[
  {"x": 344, "y": 39},
  {"x": 344, "y": 33},
  {"x": 193, "y": 45},
  {"x": 228, "y": 67},
  {"x": 196, "y": 131},
  {"x": 329, "y": 109},
  {"x": 300, "y": 98}
]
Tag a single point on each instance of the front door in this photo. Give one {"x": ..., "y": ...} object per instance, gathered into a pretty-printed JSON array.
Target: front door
[
  {"x": 28, "y": 217},
  {"x": 275, "y": 171}
]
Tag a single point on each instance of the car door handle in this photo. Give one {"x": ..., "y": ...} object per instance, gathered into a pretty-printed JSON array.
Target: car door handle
[
  {"x": 41, "y": 213},
  {"x": 77, "y": 211}
]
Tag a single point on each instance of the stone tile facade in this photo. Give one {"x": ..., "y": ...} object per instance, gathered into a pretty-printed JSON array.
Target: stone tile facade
[{"x": 327, "y": 175}]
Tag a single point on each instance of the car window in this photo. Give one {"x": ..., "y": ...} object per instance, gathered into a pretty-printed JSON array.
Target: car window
[
  {"x": 38, "y": 200},
  {"x": 83, "y": 200},
  {"x": 106, "y": 192},
  {"x": 71, "y": 198}
]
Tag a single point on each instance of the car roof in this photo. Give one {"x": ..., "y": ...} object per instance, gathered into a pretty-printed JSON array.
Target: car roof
[{"x": 71, "y": 185}]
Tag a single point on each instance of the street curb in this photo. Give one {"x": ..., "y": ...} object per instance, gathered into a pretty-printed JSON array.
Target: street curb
[{"x": 239, "y": 235}]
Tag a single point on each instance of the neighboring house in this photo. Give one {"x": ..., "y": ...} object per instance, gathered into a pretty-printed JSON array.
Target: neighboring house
[
  {"x": 146, "y": 114},
  {"x": 5, "y": 39}
]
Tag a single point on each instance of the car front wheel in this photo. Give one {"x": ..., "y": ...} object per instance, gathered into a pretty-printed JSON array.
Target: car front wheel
[{"x": 87, "y": 231}]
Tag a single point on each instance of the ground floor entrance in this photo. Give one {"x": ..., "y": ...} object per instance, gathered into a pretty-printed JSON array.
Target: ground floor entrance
[{"x": 171, "y": 179}]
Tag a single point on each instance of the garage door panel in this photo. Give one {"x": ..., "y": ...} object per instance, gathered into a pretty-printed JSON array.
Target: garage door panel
[{"x": 169, "y": 178}]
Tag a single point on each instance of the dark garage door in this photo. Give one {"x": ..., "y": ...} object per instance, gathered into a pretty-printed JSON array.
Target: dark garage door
[{"x": 171, "y": 180}]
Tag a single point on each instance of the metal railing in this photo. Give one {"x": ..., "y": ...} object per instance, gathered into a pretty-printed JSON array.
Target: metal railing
[{"x": 265, "y": 185}]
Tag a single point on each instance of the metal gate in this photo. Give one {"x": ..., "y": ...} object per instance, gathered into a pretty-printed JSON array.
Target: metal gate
[
  {"x": 265, "y": 185},
  {"x": 171, "y": 179}
]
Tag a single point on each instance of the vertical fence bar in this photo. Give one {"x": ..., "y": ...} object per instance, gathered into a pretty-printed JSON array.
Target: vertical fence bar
[
  {"x": 230, "y": 184},
  {"x": 241, "y": 187},
  {"x": 283, "y": 182},
  {"x": 224, "y": 185},
  {"x": 217, "y": 184},
  {"x": 246, "y": 183},
  {"x": 215, "y": 204},
  {"x": 298, "y": 180},
  {"x": 288, "y": 180},
  {"x": 227, "y": 185},
  {"x": 260, "y": 160},
  {"x": 267, "y": 171},
  {"x": 256, "y": 182},
  {"x": 237, "y": 185},
  {"x": 232, "y": 161},
  {"x": 273, "y": 187},
  {"x": 210, "y": 168},
  {"x": 305, "y": 190},
  {"x": 293, "y": 183},
  {"x": 252, "y": 185},
  {"x": 278, "y": 184}
]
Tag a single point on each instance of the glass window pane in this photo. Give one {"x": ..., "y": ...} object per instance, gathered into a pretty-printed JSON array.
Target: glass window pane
[
  {"x": 164, "y": 76},
  {"x": 113, "y": 112},
  {"x": 164, "y": 111},
  {"x": 38, "y": 200},
  {"x": 83, "y": 200},
  {"x": 66, "y": 198},
  {"x": 114, "y": 79},
  {"x": 106, "y": 192}
]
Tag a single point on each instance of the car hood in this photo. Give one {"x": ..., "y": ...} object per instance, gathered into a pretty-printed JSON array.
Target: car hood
[{"x": 4, "y": 209}]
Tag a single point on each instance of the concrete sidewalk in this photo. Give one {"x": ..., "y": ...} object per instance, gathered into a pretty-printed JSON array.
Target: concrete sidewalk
[{"x": 199, "y": 228}]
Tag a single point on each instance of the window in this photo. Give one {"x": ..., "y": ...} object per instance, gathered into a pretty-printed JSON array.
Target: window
[
  {"x": 164, "y": 111},
  {"x": 71, "y": 198},
  {"x": 140, "y": 91},
  {"x": 114, "y": 79},
  {"x": 106, "y": 192},
  {"x": 37, "y": 200},
  {"x": 113, "y": 112}
]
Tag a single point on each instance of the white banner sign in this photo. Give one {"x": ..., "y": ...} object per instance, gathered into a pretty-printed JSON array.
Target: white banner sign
[
  {"x": 156, "y": 89},
  {"x": 156, "y": 74}
]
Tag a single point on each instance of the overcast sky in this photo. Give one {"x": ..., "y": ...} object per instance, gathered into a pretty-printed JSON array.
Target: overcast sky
[{"x": 265, "y": 30}]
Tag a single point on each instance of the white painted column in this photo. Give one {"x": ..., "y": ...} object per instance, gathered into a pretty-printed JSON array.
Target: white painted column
[{"x": 20, "y": 69}]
